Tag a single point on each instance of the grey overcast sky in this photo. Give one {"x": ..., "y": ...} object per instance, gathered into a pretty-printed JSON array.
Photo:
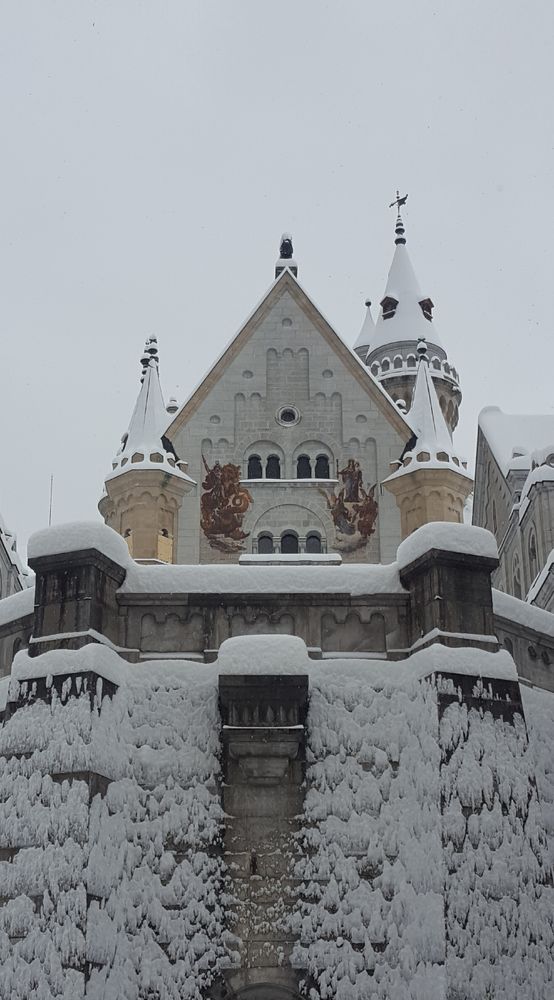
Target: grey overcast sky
[{"x": 154, "y": 152}]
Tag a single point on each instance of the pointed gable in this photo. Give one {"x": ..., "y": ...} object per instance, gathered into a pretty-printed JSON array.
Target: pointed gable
[{"x": 286, "y": 283}]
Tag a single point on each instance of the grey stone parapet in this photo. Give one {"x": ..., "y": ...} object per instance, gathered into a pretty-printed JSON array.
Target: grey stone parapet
[
  {"x": 451, "y": 598},
  {"x": 75, "y": 597}
]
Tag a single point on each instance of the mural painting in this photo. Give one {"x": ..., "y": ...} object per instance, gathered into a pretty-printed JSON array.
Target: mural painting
[
  {"x": 223, "y": 506},
  {"x": 354, "y": 509}
]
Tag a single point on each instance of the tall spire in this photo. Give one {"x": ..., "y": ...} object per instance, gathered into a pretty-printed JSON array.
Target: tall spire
[{"x": 144, "y": 445}]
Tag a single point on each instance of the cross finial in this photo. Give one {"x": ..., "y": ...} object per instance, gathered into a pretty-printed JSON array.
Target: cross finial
[{"x": 399, "y": 228}]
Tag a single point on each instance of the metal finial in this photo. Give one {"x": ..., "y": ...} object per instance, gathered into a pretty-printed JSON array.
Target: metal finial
[{"x": 399, "y": 228}]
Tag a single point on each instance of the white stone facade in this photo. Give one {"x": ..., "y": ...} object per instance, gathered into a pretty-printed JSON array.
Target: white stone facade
[{"x": 287, "y": 357}]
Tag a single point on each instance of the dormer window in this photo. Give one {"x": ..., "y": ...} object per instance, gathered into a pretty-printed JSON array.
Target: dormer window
[
  {"x": 388, "y": 306},
  {"x": 427, "y": 308}
]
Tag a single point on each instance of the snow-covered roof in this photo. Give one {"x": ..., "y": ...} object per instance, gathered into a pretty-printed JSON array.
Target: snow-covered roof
[
  {"x": 540, "y": 474},
  {"x": 513, "y": 437},
  {"x": 408, "y": 322},
  {"x": 143, "y": 446},
  {"x": 507, "y": 606},
  {"x": 17, "y": 605},
  {"x": 367, "y": 331}
]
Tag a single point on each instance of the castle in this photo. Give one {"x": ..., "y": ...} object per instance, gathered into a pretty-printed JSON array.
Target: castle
[{"x": 283, "y": 724}]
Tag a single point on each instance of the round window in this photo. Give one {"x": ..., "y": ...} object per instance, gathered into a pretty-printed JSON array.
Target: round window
[{"x": 288, "y": 415}]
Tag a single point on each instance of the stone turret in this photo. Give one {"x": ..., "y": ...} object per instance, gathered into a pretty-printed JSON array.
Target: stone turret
[
  {"x": 430, "y": 482},
  {"x": 145, "y": 489},
  {"x": 406, "y": 316}
]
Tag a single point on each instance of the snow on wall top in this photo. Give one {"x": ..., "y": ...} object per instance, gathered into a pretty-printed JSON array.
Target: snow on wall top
[
  {"x": 17, "y": 605},
  {"x": 263, "y": 654},
  {"x": 514, "y": 437},
  {"x": 463, "y": 538},
  {"x": 355, "y": 579},
  {"x": 78, "y": 535},
  {"x": 523, "y": 613}
]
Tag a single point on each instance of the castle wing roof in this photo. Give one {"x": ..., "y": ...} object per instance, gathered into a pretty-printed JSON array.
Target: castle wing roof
[{"x": 513, "y": 437}]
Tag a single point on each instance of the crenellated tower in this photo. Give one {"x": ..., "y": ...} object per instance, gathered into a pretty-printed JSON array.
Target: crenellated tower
[
  {"x": 390, "y": 345},
  {"x": 145, "y": 489}
]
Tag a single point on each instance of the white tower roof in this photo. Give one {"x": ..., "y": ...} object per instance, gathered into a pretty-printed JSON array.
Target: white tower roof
[
  {"x": 404, "y": 309},
  {"x": 433, "y": 446},
  {"x": 144, "y": 445}
]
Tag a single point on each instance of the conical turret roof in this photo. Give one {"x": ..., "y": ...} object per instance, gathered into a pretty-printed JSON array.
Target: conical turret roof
[
  {"x": 405, "y": 311},
  {"x": 144, "y": 444},
  {"x": 432, "y": 445},
  {"x": 366, "y": 334}
]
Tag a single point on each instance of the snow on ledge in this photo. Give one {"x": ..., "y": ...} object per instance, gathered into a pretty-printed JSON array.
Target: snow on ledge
[
  {"x": 463, "y": 538},
  {"x": 17, "y": 605},
  {"x": 295, "y": 559},
  {"x": 467, "y": 660},
  {"x": 263, "y": 654},
  {"x": 94, "y": 657},
  {"x": 77, "y": 535}
]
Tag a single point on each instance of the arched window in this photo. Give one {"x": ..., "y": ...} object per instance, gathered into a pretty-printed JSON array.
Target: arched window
[
  {"x": 516, "y": 577},
  {"x": 265, "y": 544},
  {"x": 397, "y": 363},
  {"x": 254, "y": 467},
  {"x": 313, "y": 542},
  {"x": 303, "y": 467},
  {"x": 273, "y": 467},
  {"x": 322, "y": 467},
  {"x": 411, "y": 361},
  {"x": 385, "y": 365},
  {"x": 533, "y": 555},
  {"x": 289, "y": 543}
]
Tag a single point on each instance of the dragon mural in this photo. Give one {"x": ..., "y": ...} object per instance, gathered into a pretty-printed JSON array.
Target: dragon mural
[
  {"x": 354, "y": 509},
  {"x": 223, "y": 506}
]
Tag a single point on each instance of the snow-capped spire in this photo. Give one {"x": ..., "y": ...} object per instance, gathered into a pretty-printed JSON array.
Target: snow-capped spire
[
  {"x": 432, "y": 443},
  {"x": 430, "y": 481},
  {"x": 426, "y": 416},
  {"x": 286, "y": 259},
  {"x": 144, "y": 444},
  {"x": 406, "y": 314},
  {"x": 365, "y": 335}
]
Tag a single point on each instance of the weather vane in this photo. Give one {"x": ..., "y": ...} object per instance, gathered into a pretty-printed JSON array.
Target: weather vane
[{"x": 398, "y": 201}]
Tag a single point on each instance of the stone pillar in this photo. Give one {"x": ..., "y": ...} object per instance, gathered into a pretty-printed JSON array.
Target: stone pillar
[
  {"x": 263, "y": 739},
  {"x": 450, "y": 590},
  {"x": 76, "y": 587}
]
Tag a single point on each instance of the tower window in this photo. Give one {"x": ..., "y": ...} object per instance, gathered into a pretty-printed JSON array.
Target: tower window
[
  {"x": 427, "y": 308},
  {"x": 273, "y": 467},
  {"x": 322, "y": 467},
  {"x": 303, "y": 467},
  {"x": 289, "y": 543},
  {"x": 265, "y": 544},
  {"x": 313, "y": 542},
  {"x": 254, "y": 467},
  {"x": 389, "y": 305}
]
